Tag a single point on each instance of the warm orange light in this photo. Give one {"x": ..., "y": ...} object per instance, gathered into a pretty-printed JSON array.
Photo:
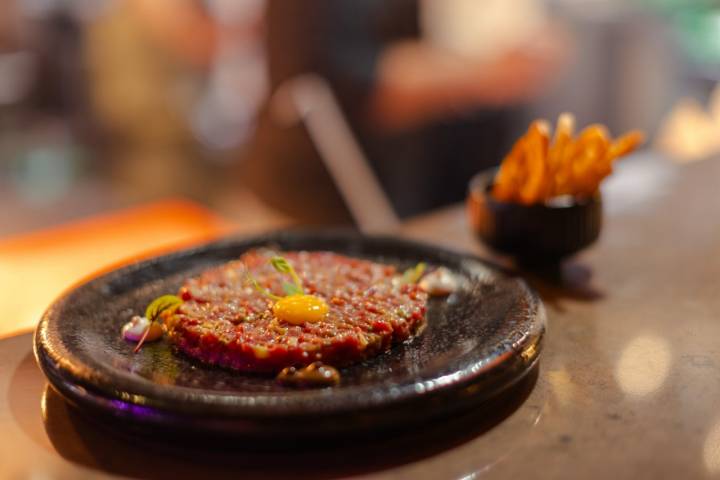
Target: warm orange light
[{"x": 37, "y": 267}]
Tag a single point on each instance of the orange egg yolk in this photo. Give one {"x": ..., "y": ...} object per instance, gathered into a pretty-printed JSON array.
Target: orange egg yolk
[{"x": 298, "y": 309}]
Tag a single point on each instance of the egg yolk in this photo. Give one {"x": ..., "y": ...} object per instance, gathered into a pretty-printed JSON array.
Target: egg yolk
[{"x": 298, "y": 309}]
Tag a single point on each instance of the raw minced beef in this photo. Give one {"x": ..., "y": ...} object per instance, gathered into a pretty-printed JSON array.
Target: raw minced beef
[{"x": 225, "y": 321}]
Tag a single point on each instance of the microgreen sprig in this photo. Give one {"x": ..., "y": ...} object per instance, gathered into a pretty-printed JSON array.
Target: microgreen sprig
[
  {"x": 256, "y": 285},
  {"x": 281, "y": 265},
  {"x": 160, "y": 305},
  {"x": 164, "y": 303},
  {"x": 414, "y": 274}
]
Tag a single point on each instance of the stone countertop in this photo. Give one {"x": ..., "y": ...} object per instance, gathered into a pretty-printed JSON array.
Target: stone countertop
[{"x": 628, "y": 385}]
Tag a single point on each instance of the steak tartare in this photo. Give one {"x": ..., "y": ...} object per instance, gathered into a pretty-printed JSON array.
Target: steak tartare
[{"x": 224, "y": 319}]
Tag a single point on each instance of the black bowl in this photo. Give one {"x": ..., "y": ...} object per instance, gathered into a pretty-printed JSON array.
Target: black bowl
[{"x": 541, "y": 233}]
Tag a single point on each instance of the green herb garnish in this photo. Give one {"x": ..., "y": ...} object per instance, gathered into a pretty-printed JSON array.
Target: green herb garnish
[
  {"x": 161, "y": 304},
  {"x": 256, "y": 285},
  {"x": 414, "y": 274},
  {"x": 282, "y": 266}
]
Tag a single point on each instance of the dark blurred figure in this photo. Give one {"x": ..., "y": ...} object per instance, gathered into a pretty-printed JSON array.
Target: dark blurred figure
[{"x": 426, "y": 118}]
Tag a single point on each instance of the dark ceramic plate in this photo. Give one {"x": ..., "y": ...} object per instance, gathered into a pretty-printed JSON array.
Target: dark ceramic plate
[{"x": 478, "y": 342}]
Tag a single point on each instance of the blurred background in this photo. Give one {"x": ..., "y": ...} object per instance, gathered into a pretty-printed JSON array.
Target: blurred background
[{"x": 107, "y": 104}]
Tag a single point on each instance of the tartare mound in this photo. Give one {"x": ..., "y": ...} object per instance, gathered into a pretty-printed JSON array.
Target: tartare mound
[{"x": 225, "y": 321}]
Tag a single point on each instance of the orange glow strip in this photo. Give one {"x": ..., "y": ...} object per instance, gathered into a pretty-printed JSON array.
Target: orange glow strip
[{"x": 37, "y": 267}]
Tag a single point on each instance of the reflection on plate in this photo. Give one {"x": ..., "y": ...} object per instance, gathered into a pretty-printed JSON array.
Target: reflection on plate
[{"x": 478, "y": 341}]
